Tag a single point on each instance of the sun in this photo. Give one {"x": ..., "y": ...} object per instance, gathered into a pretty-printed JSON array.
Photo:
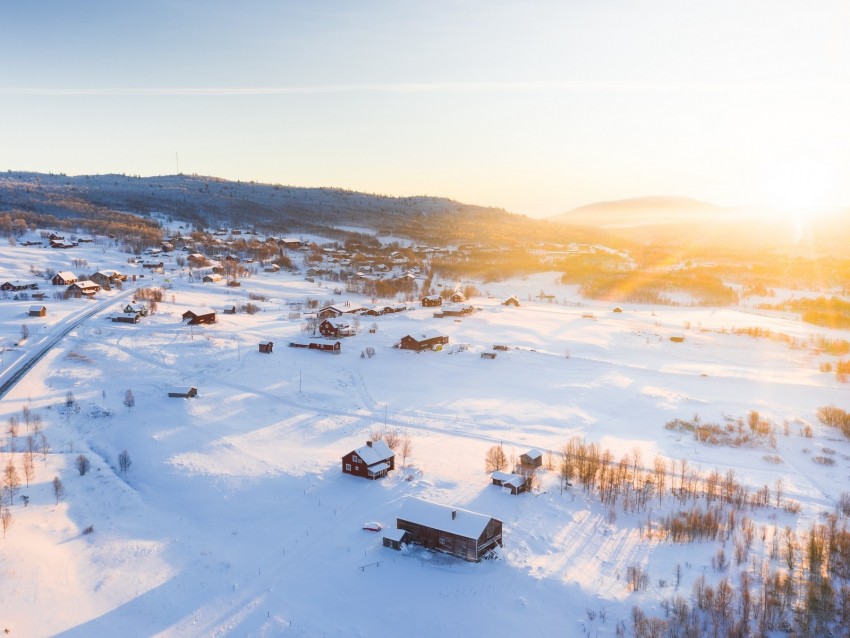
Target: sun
[{"x": 800, "y": 187}]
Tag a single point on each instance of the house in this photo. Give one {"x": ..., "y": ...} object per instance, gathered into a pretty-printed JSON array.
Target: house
[
  {"x": 424, "y": 341},
  {"x": 336, "y": 328},
  {"x": 459, "y": 532},
  {"x": 289, "y": 242},
  {"x": 323, "y": 346},
  {"x": 338, "y": 311},
  {"x": 457, "y": 297},
  {"x": 38, "y": 311},
  {"x": 196, "y": 258},
  {"x": 516, "y": 483},
  {"x": 197, "y": 316},
  {"x": 135, "y": 308},
  {"x": 153, "y": 265},
  {"x": 531, "y": 459},
  {"x": 126, "y": 317},
  {"x": 86, "y": 287},
  {"x": 229, "y": 310},
  {"x": 267, "y": 348},
  {"x": 617, "y": 309},
  {"x": 511, "y": 301},
  {"x": 677, "y": 337},
  {"x": 212, "y": 278},
  {"x": 456, "y": 310},
  {"x": 17, "y": 286},
  {"x": 64, "y": 278},
  {"x": 59, "y": 243},
  {"x": 431, "y": 300},
  {"x": 183, "y": 393},
  {"x": 371, "y": 461}
]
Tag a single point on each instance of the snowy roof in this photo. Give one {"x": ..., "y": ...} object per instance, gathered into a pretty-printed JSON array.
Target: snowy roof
[
  {"x": 66, "y": 274},
  {"x": 339, "y": 324},
  {"x": 379, "y": 467},
  {"x": 87, "y": 283},
  {"x": 505, "y": 478},
  {"x": 534, "y": 453},
  {"x": 394, "y": 534},
  {"x": 36, "y": 308},
  {"x": 377, "y": 452},
  {"x": 428, "y": 334},
  {"x": 465, "y": 523}
]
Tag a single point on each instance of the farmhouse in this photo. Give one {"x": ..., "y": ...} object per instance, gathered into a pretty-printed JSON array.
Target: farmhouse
[
  {"x": 183, "y": 393},
  {"x": 455, "y": 531},
  {"x": 371, "y": 461},
  {"x": 336, "y": 328},
  {"x": 125, "y": 317},
  {"x": 424, "y": 341},
  {"x": 38, "y": 311},
  {"x": 83, "y": 288},
  {"x": 338, "y": 311},
  {"x": 457, "y": 297},
  {"x": 431, "y": 300},
  {"x": 197, "y": 316},
  {"x": 17, "y": 286},
  {"x": 64, "y": 278},
  {"x": 516, "y": 483},
  {"x": 531, "y": 459},
  {"x": 136, "y": 308},
  {"x": 212, "y": 278},
  {"x": 456, "y": 310}
]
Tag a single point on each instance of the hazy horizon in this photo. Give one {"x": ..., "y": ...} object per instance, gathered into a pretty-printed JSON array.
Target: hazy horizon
[{"x": 538, "y": 109}]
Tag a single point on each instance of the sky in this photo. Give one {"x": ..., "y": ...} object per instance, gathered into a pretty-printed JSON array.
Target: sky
[{"x": 536, "y": 106}]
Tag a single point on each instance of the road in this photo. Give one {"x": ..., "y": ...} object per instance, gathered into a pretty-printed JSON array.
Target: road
[{"x": 32, "y": 354}]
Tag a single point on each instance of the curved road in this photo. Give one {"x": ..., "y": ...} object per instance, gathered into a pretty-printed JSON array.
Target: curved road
[{"x": 24, "y": 363}]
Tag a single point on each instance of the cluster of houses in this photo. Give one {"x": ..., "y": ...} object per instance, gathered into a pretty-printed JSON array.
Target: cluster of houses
[{"x": 459, "y": 532}]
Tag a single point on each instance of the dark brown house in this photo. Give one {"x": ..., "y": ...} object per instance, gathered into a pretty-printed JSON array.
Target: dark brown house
[
  {"x": 431, "y": 300},
  {"x": 183, "y": 393},
  {"x": 516, "y": 483},
  {"x": 511, "y": 301},
  {"x": 455, "y": 531},
  {"x": 86, "y": 287},
  {"x": 336, "y": 328},
  {"x": 371, "y": 461},
  {"x": 197, "y": 316},
  {"x": 323, "y": 346},
  {"x": 423, "y": 342},
  {"x": 267, "y": 348}
]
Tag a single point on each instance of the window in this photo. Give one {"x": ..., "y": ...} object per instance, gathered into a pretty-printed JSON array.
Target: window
[
  {"x": 348, "y": 467},
  {"x": 354, "y": 459}
]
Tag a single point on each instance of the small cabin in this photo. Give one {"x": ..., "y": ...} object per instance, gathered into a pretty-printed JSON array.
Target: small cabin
[
  {"x": 372, "y": 461},
  {"x": 531, "y": 459},
  {"x": 677, "y": 337},
  {"x": 488, "y": 355},
  {"x": 199, "y": 316},
  {"x": 126, "y": 317},
  {"x": 64, "y": 278},
  {"x": 266, "y": 348},
  {"x": 394, "y": 538},
  {"x": 511, "y": 301},
  {"x": 426, "y": 341},
  {"x": 212, "y": 278},
  {"x": 431, "y": 300},
  {"x": 88, "y": 288},
  {"x": 183, "y": 393},
  {"x": 336, "y": 328},
  {"x": 514, "y": 483},
  {"x": 38, "y": 311},
  {"x": 322, "y": 346}
]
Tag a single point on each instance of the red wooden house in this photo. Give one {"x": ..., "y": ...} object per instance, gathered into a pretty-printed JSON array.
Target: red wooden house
[{"x": 371, "y": 461}]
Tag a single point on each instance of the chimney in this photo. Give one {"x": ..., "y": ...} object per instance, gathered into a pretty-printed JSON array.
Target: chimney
[
  {"x": 454, "y": 514},
  {"x": 369, "y": 443}
]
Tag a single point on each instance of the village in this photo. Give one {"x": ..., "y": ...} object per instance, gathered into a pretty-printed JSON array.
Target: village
[{"x": 432, "y": 441}]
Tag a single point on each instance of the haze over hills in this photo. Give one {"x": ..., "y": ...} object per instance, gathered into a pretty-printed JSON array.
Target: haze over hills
[{"x": 642, "y": 211}]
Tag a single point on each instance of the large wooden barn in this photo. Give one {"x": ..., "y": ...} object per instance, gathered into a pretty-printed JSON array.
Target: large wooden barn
[
  {"x": 456, "y": 531},
  {"x": 424, "y": 341},
  {"x": 371, "y": 461}
]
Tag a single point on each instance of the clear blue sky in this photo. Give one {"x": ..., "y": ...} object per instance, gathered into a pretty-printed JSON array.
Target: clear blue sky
[{"x": 535, "y": 106}]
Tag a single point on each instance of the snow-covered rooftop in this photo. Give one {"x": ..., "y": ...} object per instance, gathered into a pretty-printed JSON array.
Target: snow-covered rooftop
[{"x": 440, "y": 517}]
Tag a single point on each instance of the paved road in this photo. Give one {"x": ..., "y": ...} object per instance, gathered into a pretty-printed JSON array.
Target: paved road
[{"x": 27, "y": 357}]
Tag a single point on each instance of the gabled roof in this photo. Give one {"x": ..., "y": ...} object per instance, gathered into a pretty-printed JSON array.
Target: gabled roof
[
  {"x": 506, "y": 478},
  {"x": 86, "y": 283},
  {"x": 199, "y": 312},
  {"x": 65, "y": 274},
  {"x": 425, "y": 336},
  {"x": 339, "y": 324},
  {"x": 534, "y": 453},
  {"x": 465, "y": 523},
  {"x": 377, "y": 453}
]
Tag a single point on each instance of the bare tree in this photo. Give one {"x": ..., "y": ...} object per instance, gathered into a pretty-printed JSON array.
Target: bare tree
[
  {"x": 58, "y": 489},
  {"x": 36, "y": 423},
  {"x": 129, "y": 399},
  {"x": 124, "y": 461},
  {"x": 26, "y": 413},
  {"x": 82, "y": 464},
  {"x": 406, "y": 449},
  {"x": 392, "y": 437},
  {"x": 495, "y": 459},
  {"x": 43, "y": 447},
  {"x": 11, "y": 481},
  {"x": 6, "y": 520},
  {"x": 28, "y": 466},
  {"x": 69, "y": 399},
  {"x": 12, "y": 428},
  {"x": 25, "y": 332}
]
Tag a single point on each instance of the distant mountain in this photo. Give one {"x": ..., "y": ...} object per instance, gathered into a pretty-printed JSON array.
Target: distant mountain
[
  {"x": 207, "y": 202},
  {"x": 644, "y": 211}
]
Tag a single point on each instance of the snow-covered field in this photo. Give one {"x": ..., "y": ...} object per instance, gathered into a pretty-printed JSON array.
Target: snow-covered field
[{"x": 234, "y": 518}]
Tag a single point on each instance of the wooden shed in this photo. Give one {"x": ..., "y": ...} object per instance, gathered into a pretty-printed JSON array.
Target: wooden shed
[
  {"x": 515, "y": 483},
  {"x": 394, "y": 538},
  {"x": 425, "y": 341},
  {"x": 38, "y": 311},
  {"x": 677, "y": 337},
  {"x": 197, "y": 316},
  {"x": 183, "y": 393},
  {"x": 468, "y": 535},
  {"x": 531, "y": 459},
  {"x": 266, "y": 348},
  {"x": 323, "y": 346},
  {"x": 431, "y": 300}
]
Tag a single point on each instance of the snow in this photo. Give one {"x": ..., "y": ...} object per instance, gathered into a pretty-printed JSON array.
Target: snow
[
  {"x": 234, "y": 518},
  {"x": 445, "y": 518}
]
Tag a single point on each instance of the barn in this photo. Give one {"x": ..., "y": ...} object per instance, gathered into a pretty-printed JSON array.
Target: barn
[
  {"x": 371, "y": 461},
  {"x": 424, "y": 341},
  {"x": 197, "y": 316},
  {"x": 468, "y": 535},
  {"x": 323, "y": 346},
  {"x": 183, "y": 393},
  {"x": 38, "y": 311}
]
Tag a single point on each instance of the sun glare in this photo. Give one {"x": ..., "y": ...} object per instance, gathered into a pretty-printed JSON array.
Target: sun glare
[{"x": 800, "y": 186}]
